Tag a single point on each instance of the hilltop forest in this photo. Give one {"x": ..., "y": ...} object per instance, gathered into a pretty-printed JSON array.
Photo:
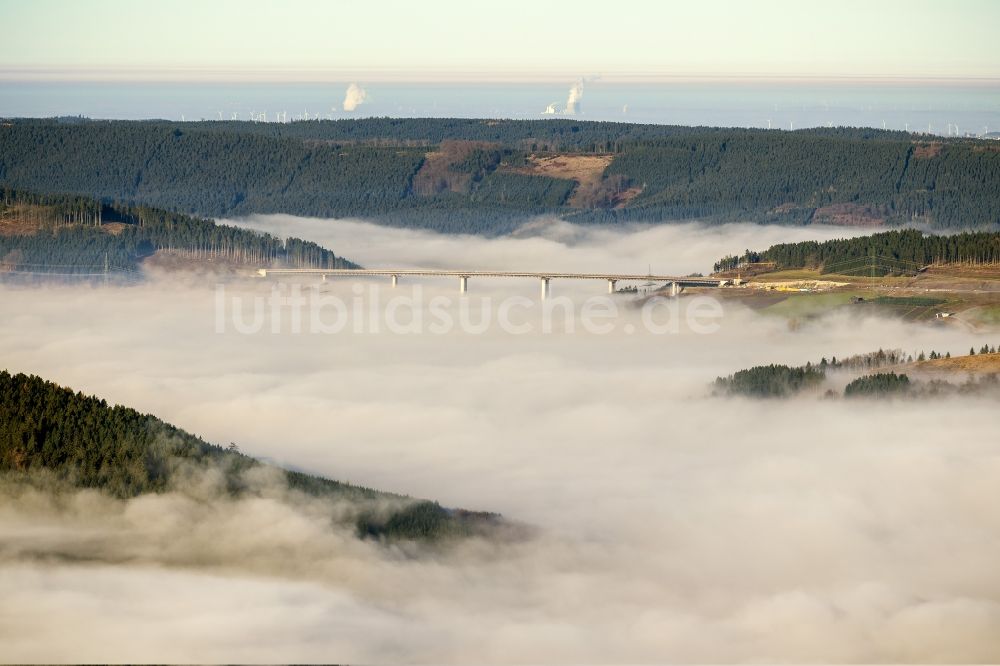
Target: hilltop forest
[
  {"x": 486, "y": 176},
  {"x": 52, "y": 233},
  {"x": 51, "y": 434},
  {"x": 906, "y": 250}
]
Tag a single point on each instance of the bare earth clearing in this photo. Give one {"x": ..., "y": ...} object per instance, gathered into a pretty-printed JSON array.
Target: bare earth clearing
[
  {"x": 588, "y": 172},
  {"x": 581, "y": 168},
  {"x": 22, "y": 220}
]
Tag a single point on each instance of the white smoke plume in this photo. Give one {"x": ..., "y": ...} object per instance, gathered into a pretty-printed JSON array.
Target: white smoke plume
[
  {"x": 550, "y": 110},
  {"x": 573, "y": 101},
  {"x": 354, "y": 97}
]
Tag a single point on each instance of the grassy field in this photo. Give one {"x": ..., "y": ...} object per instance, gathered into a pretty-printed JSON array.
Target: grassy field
[
  {"x": 809, "y": 304},
  {"x": 971, "y": 293},
  {"x": 980, "y": 363},
  {"x": 976, "y": 310},
  {"x": 813, "y": 274},
  {"x": 910, "y": 308},
  {"x": 985, "y": 315}
]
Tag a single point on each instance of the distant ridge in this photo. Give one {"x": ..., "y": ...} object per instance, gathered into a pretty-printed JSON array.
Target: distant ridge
[{"x": 487, "y": 176}]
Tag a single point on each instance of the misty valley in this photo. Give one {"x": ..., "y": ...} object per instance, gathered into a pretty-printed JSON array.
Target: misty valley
[
  {"x": 452, "y": 494},
  {"x": 346, "y": 333}
]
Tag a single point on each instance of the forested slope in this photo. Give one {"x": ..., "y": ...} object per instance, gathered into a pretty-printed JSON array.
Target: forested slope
[
  {"x": 42, "y": 233},
  {"x": 47, "y": 431},
  {"x": 907, "y": 249},
  {"x": 409, "y": 171}
]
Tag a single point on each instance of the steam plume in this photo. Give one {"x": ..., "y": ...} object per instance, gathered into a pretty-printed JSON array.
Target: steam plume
[
  {"x": 575, "y": 95},
  {"x": 355, "y": 97}
]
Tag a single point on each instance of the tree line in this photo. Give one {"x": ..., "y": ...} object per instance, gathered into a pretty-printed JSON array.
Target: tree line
[
  {"x": 769, "y": 381},
  {"x": 905, "y": 250},
  {"x": 783, "y": 381}
]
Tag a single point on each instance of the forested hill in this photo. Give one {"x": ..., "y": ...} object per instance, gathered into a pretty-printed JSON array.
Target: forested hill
[
  {"x": 904, "y": 250},
  {"x": 53, "y": 233},
  {"x": 486, "y": 176},
  {"x": 48, "y": 432}
]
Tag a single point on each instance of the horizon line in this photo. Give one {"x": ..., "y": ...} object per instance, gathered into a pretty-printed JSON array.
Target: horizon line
[{"x": 193, "y": 75}]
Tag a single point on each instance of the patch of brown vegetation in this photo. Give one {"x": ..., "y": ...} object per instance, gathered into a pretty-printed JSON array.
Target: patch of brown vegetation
[
  {"x": 975, "y": 271},
  {"x": 784, "y": 208},
  {"x": 923, "y": 151},
  {"x": 114, "y": 228},
  {"x": 19, "y": 459},
  {"x": 849, "y": 215},
  {"x": 623, "y": 197},
  {"x": 748, "y": 270},
  {"x": 983, "y": 279},
  {"x": 178, "y": 260},
  {"x": 28, "y": 220},
  {"x": 611, "y": 192},
  {"x": 581, "y": 168},
  {"x": 435, "y": 175},
  {"x": 978, "y": 364},
  {"x": 23, "y": 220},
  {"x": 593, "y": 190}
]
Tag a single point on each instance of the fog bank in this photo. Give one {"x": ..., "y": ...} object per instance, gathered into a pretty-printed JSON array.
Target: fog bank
[
  {"x": 672, "y": 526},
  {"x": 545, "y": 244}
]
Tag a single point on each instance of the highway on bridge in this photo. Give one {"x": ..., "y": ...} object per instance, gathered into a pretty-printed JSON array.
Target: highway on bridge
[{"x": 463, "y": 276}]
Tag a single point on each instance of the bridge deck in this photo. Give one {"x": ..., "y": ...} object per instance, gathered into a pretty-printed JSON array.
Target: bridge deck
[{"x": 433, "y": 272}]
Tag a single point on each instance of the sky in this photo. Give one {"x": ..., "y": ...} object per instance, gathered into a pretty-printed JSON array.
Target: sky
[{"x": 514, "y": 40}]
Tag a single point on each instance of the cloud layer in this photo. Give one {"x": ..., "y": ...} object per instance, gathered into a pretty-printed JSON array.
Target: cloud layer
[{"x": 672, "y": 526}]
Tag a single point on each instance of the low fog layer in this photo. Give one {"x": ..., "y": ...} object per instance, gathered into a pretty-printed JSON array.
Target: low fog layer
[
  {"x": 673, "y": 526},
  {"x": 545, "y": 244}
]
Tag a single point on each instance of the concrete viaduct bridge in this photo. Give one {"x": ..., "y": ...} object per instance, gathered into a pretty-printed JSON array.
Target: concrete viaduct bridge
[{"x": 463, "y": 276}]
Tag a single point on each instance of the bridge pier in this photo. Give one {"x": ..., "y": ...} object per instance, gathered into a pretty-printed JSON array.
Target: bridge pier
[
  {"x": 611, "y": 286},
  {"x": 463, "y": 284},
  {"x": 545, "y": 288},
  {"x": 395, "y": 281},
  {"x": 675, "y": 289}
]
